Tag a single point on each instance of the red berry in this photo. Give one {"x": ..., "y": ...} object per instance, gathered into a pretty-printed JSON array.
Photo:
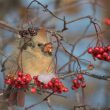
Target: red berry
[
  {"x": 99, "y": 56},
  {"x": 19, "y": 79},
  {"x": 96, "y": 49},
  {"x": 55, "y": 89},
  {"x": 108, "y": 58},
  {"x": 18, "y": 86},
  {"x": 74, "y": 87},
  {"x": 45, "y": 86},
  {"x": 75, "y": 81},
  {"x": 80, "y": 77},
  {"x": 24, "y": 78},
  {"x": 101, "y": 50},
  {"x": 65, "y": 90},
  {"x": 28, "y": 77},
  {"x": 56, "y": 84},
  {"x": 105, "y": 54},
  {"x": 38, "y": 84},
  {"x": 35, "y": 77},
  {"x": 27, "y": 80},
  {"x": 22, "y": 82},
  {"x": 19, "y": 73},
  {"x": 33, "y": 90},
  {"x": 108, "y": 48},
  {"x": 50, "y": 84},
  {"x": 16, "y": 83},
  {"x": 56, "y": 80},
  {"x": 90, "y": 50},
  {"x": 107, "y": 21},
  {"x": 8, "y": 81},
  {"x": 77, "y": 85}
]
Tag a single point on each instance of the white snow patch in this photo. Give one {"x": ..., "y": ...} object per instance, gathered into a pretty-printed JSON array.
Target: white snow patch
[{"x": 45, "y": 78}]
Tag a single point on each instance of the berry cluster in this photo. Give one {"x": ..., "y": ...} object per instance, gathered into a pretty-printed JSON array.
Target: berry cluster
[
  {"x": 101, "y": 53},
  {"x": 20, "y": 81},
  {"x": 78, "y": 82},
  {"x": 54, "y": 84}
]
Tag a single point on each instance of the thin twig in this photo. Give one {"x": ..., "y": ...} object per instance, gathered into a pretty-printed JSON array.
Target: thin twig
[
  {"x": 49, "y": 104},
  {"x": 85, "y": 72},
  {"x": 27, "y": 108}
]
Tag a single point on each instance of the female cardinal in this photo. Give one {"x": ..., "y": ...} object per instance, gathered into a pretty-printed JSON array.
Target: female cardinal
[{"x": 34, "y": 61}]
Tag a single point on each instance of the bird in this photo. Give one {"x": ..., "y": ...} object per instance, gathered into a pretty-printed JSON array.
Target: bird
[{"x": 35, "y": 61}]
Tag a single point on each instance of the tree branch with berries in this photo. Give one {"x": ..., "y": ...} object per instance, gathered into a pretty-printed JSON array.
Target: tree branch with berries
[{"x": 34, "y": 67}]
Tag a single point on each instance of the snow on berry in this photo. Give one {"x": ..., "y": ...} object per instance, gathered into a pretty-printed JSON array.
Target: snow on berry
[
  {"x": 45, "y": 78},
  {"x": 50, "y": 82}
]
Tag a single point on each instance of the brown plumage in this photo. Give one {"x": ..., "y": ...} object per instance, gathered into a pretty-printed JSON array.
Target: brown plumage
[{"x": 34, "y": 60}]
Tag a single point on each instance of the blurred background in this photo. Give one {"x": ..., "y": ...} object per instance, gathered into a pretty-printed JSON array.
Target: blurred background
[{"x": 97, "y": 95}]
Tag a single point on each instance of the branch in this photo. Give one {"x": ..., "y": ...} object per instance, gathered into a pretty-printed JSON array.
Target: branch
[
  {"x": 45, "y": 99},
  {"x": 88, "y": 17},
  {"x": 49, "y": 104},
  {"x": 84, "y": 72},
  {"x": 6, "y": 26},
  {"x": 45, "y": 9}
]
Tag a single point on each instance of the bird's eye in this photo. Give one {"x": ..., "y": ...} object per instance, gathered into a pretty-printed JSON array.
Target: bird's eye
[{"x": 40, "y": 44}]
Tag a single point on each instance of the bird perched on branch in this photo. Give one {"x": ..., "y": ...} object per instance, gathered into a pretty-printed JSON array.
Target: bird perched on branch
[{"x": 36, "y": 60}]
